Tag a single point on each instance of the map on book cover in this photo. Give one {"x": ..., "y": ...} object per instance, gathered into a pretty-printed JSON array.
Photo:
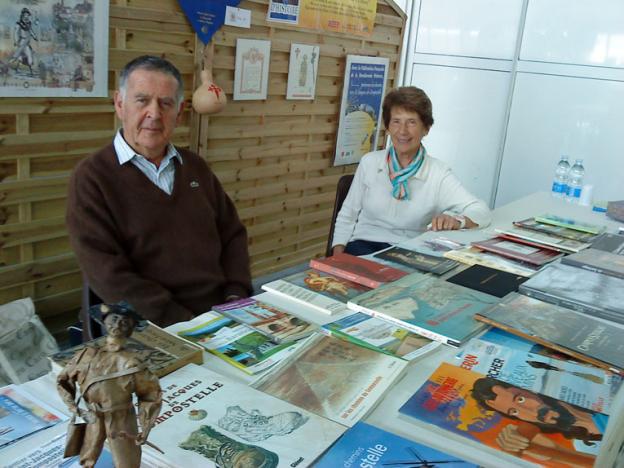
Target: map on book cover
[
  {"x": 321, "y": 291},
  {"x": 578, "y": 335},
  {"x": 381, "y": 336},
  {"x": 372, "y": 447},
  {"x": 269, "y": 320},
  {"x": 21, "y": 414},
  {"x": 534, "y": 225},
  {"x": 524, "y": 253},
  {"x": 561, "y": 243},
  {"x": 333, "y": 378},
  {"x": 420, "y": 261},
  {"x": 163, "y": 352},
  {"x": 570, "y": 223},
  {"x": 488, "y": 280},
  {"x": 592, "y": 259},
  {"x": 209, "y": 420},
  {"x": 357, "y": 269},
  {"x": 534, "y": 427},
  {"x": 428, "y": 306},
  {"x": 578, "y": 289},
  {"x": 585, "y": 386}
]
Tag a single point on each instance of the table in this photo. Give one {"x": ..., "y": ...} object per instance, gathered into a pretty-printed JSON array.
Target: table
[{"x": 386, "y": 415}]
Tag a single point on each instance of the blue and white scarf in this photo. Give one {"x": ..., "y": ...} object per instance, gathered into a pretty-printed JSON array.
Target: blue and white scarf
[{"x": 399, "y": 176}]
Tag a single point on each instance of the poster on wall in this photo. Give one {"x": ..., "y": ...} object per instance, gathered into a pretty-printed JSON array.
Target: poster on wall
[
  {"x": 354, "y": 17},
  {"x": 53, "y": 48},
  {"x": 302, "y": 71},
  {"x": 360, "y": 111},
  {"x": 251, "y": 71}
]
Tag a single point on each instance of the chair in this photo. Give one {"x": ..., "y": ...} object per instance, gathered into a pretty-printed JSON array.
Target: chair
[
  {"x": 90, "y": 328},
  {"x": 344, "y": 183}
]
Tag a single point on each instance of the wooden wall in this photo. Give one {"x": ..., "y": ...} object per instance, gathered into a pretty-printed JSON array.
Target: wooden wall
[{"x": 273, "y": 157}]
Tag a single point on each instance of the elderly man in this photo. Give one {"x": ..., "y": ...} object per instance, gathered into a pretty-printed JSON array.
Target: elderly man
[{"x": 149, "y": 222}]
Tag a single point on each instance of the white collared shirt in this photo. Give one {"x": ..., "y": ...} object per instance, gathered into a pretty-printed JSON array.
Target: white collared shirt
[
  {"x": 162, "y": 176},
  {"x": 370, "y": 212}
]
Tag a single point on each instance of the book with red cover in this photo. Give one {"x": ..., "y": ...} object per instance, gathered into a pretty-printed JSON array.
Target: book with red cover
[
  {"x": 518, "y": 251},
  {"x": 520, "y": 240},
  {"x": 497, "y": 414},
  {"x": 357, "y": 269}
]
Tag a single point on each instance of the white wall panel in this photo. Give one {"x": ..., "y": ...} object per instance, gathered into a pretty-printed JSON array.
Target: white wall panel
[
  {"x": 473, "y": 28},
  {"x": 554, "y": 115},
  {"x": 469, "y": 112},
  {"x": 575, "y": 31}
]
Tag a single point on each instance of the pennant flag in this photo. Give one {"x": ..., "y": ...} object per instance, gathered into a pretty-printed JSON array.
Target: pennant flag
[{"x": 206, "y": 16}]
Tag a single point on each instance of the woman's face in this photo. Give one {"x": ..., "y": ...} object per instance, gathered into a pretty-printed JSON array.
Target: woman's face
[{"x": 406, "y": 131}]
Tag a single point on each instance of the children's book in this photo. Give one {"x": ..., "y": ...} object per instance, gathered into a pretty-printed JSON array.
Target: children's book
[
  {"x": 277, "y": 324},
  {"x": 381, "y": 336},
  {"x": 237, "y": 344},
  {"x": 570, "y": 224},
  {"x": 420, "y": 261},
  {"x": 428, "y": 306},
  {"x": 518, "y": 251},
  {"x": 371, "y": 447},
  {"x": 357, "y": 269},
  {"x": 333, "y": 378},
  {"x": 323, "y": 292},
  {"x": 535, "y": 427},
  {"x": 208, "y": 420}
]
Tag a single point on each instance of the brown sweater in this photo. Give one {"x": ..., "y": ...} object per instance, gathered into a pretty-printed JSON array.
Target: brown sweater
[{"x": 171, "y": 256}]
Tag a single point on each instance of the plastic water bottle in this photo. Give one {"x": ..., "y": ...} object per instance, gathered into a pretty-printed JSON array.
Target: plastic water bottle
[
  {"x": 560, "y": 182},
  {"x": 577, "y": 172}
]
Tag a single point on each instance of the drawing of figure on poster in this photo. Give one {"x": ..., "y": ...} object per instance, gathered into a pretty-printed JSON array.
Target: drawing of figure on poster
[
  {"x": 302, "y": 71},
  {"x": 53, "y": 48}
]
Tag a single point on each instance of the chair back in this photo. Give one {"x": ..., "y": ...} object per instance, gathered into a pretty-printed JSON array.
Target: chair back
[
  {"x": 90, "y": 328},
  {"x": 342, "y": 189}
]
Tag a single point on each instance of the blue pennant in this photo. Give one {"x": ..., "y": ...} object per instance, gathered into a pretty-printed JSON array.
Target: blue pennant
[{"x": 206, "y": 16}]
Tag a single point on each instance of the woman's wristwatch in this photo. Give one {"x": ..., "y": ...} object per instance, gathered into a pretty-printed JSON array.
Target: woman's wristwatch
[{"x": 462, "y": 221}]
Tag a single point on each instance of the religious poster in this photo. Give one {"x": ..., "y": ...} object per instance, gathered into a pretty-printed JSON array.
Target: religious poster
[
  {"x": 354, "y": 17},
  {"x": 283, "y": 11},
  {"x": 53, "y": 48},
  {"x": 251, "y": 73},
  {"x": 206, "y": 17},
  {"x": 360, "y": 112},
  {"x": 302, "y": 71}
]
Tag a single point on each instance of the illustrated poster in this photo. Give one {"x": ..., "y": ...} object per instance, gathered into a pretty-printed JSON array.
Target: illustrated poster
[
  {"x": 360, "y": 112},
  {"x": 302, "y": 71},
  {"x": 52, "y": 48}
]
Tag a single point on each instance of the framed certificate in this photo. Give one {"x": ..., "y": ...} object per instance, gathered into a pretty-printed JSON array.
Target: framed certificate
[{"x": 251, "y": 73}]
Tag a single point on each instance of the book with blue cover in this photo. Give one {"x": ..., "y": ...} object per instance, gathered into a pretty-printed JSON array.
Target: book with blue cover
[
  {"x": 428, "y": 306},
  {"x": 368, "y": 446}
]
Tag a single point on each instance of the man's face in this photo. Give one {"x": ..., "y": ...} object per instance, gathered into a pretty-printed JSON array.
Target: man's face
[
  {"x": 149, "y": 112},
  {"x": 528, "y": 406},
  {"x": 118, "y": 326}
]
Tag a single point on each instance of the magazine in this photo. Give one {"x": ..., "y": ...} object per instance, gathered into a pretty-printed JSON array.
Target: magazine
[
  {"x": 277, "y": 324},
  {"x": 428, "y": 306},
  {"x": 357, "y": 269},
  {"x": 534, "y": 427},
  {"x": 333, "y": 378},
  {"x": 380, "y": 335},
  {"x": 373, "y": 447},
  {"x": 209, "y": 420}
]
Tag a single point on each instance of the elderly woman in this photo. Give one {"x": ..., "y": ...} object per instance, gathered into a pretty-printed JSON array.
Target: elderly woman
[{"x": 400, "y": 192}]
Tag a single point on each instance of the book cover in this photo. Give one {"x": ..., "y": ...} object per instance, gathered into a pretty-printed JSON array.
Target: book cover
[
  {"x": 598, "y": 261},
  {"x": 163, "y": 352},
  {"x": 519, "y": 240},
  {"x": 22, "y": 414},
  {"x": 570, "y": 224},
  {"x": 356, "y": 269},
  {"x": 381, "y": 336},
  {"x": 428, "y": 306},
  {"x": 578, "y": 289},
  {"x": 277, "y": 324},
  {"x": 561, "y": 243},
  {"x": 585, "y": 386},
  {"x": 524, "y": 253},
  {"x": 606, "y": 242},
  {"x": 209, "y": 420},
  {"x": 333, "y": 378},
  {"x": 324, "y": 292},
  {"x": 237, "y": 344},
  {"x": 488, "y": 280},
  {"x": 577, "y": 335},
  {"x": 473, "y": 256},
  {"x": 420, "y": 261},
  {"x": 534, "y": 225},
  {"x": 534, "y": 427},
  {"x": 367, "y": 446}
]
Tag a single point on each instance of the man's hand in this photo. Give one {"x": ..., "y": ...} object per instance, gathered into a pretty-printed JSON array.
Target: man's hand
[{"x": 338, "y": 249}]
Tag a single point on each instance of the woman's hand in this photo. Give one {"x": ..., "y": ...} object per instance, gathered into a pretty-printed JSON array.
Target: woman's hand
[
  {"x": 338, "y": 249},
  {"x": 444, "y": 222}
]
